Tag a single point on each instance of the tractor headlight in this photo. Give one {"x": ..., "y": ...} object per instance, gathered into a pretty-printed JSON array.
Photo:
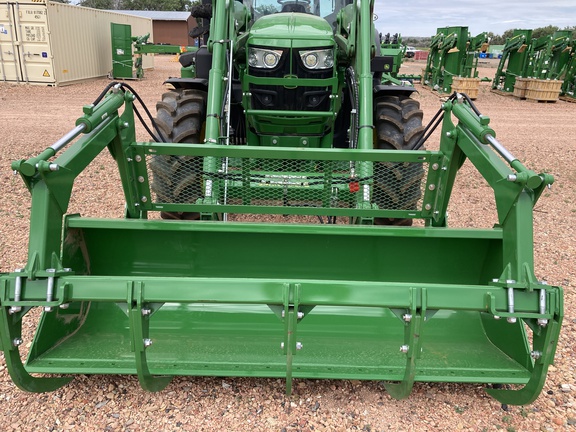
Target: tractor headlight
[
  {"x": 264, "y": 58},
  {"x": 318, "y": 59}
]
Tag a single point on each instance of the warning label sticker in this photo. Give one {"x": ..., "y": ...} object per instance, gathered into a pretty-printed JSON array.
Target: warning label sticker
[
  {"x": 3, "y": 30},
  {"x": 46, "y": 74}
]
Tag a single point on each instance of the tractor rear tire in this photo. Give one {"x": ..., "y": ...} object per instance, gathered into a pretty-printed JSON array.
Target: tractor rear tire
[
  {"x": 398, "y": 126},
  {"x": 181, "y": 116}
]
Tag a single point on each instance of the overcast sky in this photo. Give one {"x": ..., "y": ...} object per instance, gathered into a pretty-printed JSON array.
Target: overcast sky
[{"x": 423, "y": 17}]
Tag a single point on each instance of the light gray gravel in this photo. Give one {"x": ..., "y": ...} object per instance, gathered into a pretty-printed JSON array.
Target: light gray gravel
[{"x": 541, "y": 135}]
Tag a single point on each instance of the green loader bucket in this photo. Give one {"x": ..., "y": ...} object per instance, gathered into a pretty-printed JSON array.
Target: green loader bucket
[
  {"x": 257, "y": 308},
  {"x": 161, "y": 298}
]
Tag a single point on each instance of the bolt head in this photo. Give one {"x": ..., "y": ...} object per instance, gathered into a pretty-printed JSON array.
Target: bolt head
[
  {"x": 542, "y": 322},
  {"x": 64, "y": 305},
  {"x": 299, "y": 345},
  {"x": 300, "y": 315},
  {"x": 17, "y": 341},
  {"x": 146, "y": 311},
  {"x": 147, "y": 342},
  {"x": 281, "y": 345},
  {"x": 496, "y": 317},
  {"x": 407, "y": 317},
  {"x": 535, "y": 354},
  {"x": 511, "y": 320},
  {"x": 48, "y": 309},
  {"x": 14, "y": 309},
  {"x": 404, "y": 349}
]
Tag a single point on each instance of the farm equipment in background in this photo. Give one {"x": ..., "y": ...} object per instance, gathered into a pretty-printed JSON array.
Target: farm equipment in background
[
  {"x": 568, "y": 92},
  {"x": 548, "y": 56},
  {"x": 513, "y": 61},
  {"x": 286, "y": 117},
  {"x": 127, "y": 52},
  {"x": 453, "y": 61},
  {"x": 391, "y": 47},
  {"x": 533, "y": 66}
]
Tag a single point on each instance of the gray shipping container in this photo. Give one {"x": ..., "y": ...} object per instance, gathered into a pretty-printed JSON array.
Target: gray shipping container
[{"x": 49, "y": 43}]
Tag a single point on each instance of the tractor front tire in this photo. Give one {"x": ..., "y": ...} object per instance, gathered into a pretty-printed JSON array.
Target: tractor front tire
[
  {"x": 181, "y": 116},
  {"x": 397, "y": 185}
]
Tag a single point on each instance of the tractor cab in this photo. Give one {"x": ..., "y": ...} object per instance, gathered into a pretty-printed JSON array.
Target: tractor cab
[{"x": 321, "y": 8}]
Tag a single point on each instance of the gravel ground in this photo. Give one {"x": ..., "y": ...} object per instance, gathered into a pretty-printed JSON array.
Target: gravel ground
[{"x": 541, "y": 135}]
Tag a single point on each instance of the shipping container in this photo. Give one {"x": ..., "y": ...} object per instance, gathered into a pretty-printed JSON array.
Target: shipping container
[{"x": 49, "y": 43}]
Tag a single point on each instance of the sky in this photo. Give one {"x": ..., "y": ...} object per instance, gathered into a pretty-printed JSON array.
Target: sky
[{"x": 424, "y": 17}]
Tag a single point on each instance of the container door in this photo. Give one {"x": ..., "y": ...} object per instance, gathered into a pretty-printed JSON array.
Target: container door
[
  {"x": 122, "y": 63},
  {"x": 9, "y": 63},
  {"x": 35, "y": 53}
]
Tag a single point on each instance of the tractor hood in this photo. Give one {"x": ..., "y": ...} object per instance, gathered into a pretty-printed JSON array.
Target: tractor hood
[{"x": 286, "y": 30}]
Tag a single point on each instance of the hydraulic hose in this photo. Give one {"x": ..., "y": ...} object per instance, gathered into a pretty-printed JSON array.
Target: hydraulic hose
[{"x": 353, "y": 92}]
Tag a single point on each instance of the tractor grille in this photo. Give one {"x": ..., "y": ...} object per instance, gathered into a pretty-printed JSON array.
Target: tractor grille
[
  {"x": 302, "y": 98},
  {"x": 278, "y": 184}
]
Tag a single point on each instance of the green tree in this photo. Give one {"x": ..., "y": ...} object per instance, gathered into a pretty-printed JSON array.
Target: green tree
[
  {"x": 544, "y": 31},
  {"x": 573, "y": 30},
  {"x": 496, "y": 39},
  {"x": 154, "y": 5},
  {"x": 417, "y": 42},
  {"x": 507, "y": 34},
  {"x": 536, "y": 33},
  {"x": 99, "y": 4}
]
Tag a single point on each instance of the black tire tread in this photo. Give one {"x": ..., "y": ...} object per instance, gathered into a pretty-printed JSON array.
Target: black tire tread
[
  {"x": 180, "y": 116},
  {"x": 398, "y": 126}
]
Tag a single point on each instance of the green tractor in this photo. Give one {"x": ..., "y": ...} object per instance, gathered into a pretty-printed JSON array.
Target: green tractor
[{"x": 287, "y": 177}]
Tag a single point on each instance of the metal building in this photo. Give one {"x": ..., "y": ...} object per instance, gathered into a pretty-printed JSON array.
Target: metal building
[
  {"x": 170, "y": 28},
  {"x": 49, "y": 43}
]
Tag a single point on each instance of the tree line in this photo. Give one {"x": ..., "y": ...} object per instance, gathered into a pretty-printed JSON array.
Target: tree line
[{"x": 149, "y": 5}]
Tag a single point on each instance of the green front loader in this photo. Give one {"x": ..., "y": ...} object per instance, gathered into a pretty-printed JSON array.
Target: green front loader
[
  {"x": 513, "y": 62},
  {"x": 568, "y": 76},
  {"x": 453, "y": 54},
  {"x": 285, "y": 221}
]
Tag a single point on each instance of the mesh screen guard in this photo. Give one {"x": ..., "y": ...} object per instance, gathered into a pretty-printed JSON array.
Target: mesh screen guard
[{"x": 290, "y": 181}]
